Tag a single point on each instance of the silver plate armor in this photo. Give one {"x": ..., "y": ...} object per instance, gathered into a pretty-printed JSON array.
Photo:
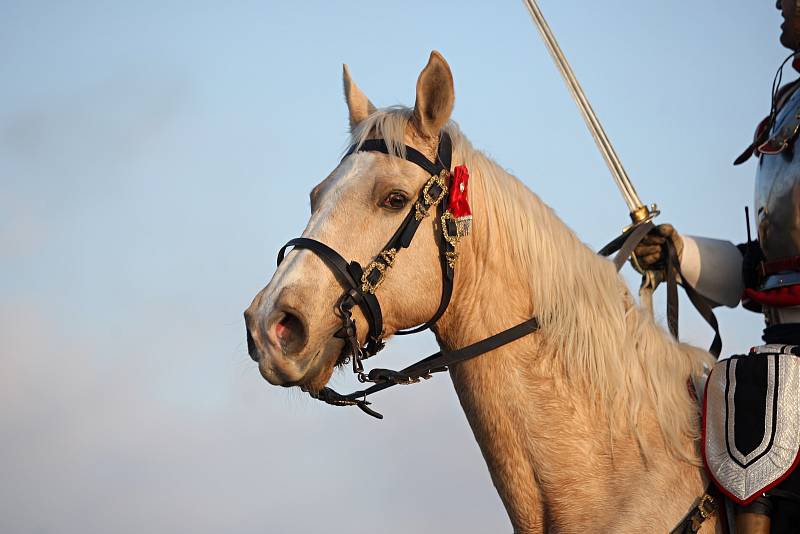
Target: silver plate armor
[{"x": 777, "y": 194}]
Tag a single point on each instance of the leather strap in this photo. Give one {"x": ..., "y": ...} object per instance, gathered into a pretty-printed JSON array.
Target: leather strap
[
  {"x": 698, "y": 301},
  {"x": 707, "y": 505},
  {"x": 444, "y": 153},
  {"x": 448, "y": 276},
  {"x": 673, "y": 264},
  {"x": 349, "y": 275},
  {"x": 444, "y": 156},
  {"x": 634, "y": 237},
  {"x": 435, "y": 363},
  {"x": 338, "y": 265},
  {"x": 626, "y": 243}
]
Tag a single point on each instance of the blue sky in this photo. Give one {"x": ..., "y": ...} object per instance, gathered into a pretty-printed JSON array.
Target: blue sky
[{"x": 154, "y": 156}]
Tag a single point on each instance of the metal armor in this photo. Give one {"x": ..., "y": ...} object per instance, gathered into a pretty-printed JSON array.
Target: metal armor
[{"x": 777, "y": 194}]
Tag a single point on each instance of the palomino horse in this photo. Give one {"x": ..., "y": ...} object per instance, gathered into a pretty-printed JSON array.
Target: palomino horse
[{"x": 586, "y": 425}]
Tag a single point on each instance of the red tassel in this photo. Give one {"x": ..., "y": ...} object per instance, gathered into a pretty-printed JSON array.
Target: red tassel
[{"x": 459, "y": 202}]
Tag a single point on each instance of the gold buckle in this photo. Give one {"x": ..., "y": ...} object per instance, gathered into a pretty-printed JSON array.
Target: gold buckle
[
  {"x": 707, "y": 506},
  {"x": 704, "y": 509},
  {"x": 430, "y": 202},
  {"x": 453, "y": 239},
  {"x": 384, "y": 260},
  {"x": 451, "y": 256}
]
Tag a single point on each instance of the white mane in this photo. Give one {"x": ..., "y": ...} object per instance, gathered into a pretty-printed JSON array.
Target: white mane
[{"x": 602, "y": 341}]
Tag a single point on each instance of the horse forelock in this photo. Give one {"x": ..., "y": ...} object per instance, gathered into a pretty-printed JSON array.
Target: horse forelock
[
  {"x": 388, "y": 124},
  {"x": 602, "y": 343}
]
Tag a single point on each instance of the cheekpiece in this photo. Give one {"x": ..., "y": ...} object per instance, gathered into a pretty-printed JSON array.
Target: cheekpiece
[{"x": 432, "y": 194}]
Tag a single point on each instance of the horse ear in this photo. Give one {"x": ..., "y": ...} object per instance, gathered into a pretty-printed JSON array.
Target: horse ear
[
  {"x": 357, "y": 102},
  {"x": 435, "y": 96}
]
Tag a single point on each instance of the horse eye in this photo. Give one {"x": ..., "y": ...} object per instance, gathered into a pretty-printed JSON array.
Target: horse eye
[{"x": 395, "y": 201}]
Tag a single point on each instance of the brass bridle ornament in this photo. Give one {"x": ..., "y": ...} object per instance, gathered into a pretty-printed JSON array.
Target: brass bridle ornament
[{"x": 361, "y": 284}]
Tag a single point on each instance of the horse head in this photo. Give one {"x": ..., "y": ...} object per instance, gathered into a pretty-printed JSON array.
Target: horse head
[{"x": 294, "y": 324}]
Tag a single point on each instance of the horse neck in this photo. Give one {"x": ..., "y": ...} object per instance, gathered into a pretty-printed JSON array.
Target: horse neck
[
  {"x": 521, "y": 400},
  {"x": 521, "y": 261}
]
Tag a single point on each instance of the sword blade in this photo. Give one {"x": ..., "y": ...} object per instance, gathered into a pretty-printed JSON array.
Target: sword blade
[{"x": 637, "y": 209}]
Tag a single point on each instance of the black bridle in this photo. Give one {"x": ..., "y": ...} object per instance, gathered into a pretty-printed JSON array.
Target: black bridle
[{"x": 361, "y": 283}]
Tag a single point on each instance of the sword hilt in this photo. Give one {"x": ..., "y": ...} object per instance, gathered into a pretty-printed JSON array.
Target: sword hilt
[{"x": 642, "y": 214}]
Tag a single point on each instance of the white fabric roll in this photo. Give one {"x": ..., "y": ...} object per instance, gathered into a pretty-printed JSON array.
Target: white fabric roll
[{"x": 714, "y": 268}]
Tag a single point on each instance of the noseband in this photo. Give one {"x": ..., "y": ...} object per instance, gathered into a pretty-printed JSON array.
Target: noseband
[{"x": 360, "y": 284}]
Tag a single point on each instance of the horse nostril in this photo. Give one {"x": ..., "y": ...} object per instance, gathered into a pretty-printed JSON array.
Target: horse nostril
[
  {"x": 251, "y": 346},
  {"x": 290, "y": 333}
]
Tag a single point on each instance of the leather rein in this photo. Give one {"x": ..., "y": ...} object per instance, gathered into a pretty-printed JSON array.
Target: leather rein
[{"x": 360, "y": 285}]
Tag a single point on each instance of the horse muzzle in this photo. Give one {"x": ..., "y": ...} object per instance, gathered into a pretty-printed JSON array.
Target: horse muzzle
[{"x": 280, "y": 341}]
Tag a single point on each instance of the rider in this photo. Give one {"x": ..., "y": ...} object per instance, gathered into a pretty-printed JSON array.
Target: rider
[{"x": 752, "y": 428}]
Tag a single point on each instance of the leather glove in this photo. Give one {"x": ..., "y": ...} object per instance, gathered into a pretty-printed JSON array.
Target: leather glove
[{"x": 651, "y": 252}]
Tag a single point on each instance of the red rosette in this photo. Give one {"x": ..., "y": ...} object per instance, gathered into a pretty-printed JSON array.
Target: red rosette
[{"x": 458, "y": 206}]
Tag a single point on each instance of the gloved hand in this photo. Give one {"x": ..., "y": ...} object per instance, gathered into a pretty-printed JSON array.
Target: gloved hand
[{"x": 651, "y": 254}]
